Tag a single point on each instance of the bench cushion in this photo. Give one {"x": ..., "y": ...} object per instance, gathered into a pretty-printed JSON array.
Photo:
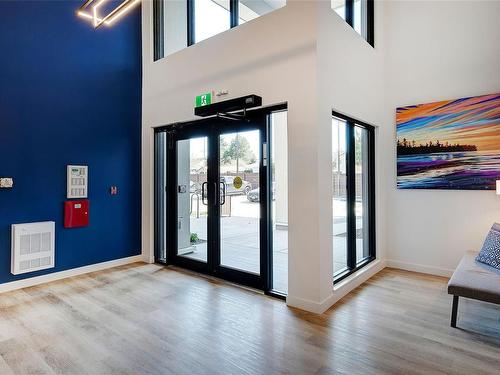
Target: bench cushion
[{"x": 475, "y": 280}]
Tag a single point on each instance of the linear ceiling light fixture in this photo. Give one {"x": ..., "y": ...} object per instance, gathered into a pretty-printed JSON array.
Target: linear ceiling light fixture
[{"x": 90, "y": 10}]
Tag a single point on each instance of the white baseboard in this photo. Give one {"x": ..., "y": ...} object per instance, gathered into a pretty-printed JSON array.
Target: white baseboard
[
  {"x": 346, "y": 286},
  {"x": 422, "y": 268},
  {"x": 147, "y": 259},
  {"x": 308, "y": 305},
  {"x": 37, "y": 280}
]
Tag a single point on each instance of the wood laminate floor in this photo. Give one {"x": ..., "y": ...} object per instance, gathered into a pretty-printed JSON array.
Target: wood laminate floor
[{"x": 148, "y": 319}]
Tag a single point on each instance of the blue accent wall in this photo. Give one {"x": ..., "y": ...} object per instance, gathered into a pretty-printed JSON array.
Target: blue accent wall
[{"x": 70, "y": 94}]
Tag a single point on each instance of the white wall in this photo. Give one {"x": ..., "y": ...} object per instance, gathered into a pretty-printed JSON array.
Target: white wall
[{"x": 436, "y": 51}]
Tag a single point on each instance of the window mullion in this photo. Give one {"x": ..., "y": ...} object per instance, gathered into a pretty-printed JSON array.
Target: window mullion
[
  {"x": 190, "y": 22},
  {"x": 370, "y": 26},
  {"x": 349, "y": 12},
  {"x": 158, "y": 30},
  {"x": 234, "y": 7}
]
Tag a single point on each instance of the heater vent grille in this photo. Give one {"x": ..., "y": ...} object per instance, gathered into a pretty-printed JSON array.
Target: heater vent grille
[{"x": 33, "y": 247}]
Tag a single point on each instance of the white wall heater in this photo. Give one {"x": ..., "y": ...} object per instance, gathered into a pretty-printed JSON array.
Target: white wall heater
[{"x": 33, "y": 247}]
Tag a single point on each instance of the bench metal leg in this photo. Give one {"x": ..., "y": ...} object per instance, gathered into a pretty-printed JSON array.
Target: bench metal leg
[{"x": 454, "y": 311}]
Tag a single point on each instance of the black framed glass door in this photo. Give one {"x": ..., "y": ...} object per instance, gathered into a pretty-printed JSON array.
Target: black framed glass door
[{"x": 214, "y": 165}]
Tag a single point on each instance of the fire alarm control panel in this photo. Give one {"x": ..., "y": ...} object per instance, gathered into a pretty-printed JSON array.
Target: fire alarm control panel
[
  {"x": 77, "y": 181},
  {"x": 76, "y": 213}
]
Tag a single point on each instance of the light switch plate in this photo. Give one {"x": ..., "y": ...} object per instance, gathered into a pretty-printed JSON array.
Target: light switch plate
[{"x": 6, "y": 182}]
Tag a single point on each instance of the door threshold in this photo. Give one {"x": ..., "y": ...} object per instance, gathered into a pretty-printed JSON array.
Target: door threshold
[{"x": 221, "y": 281}]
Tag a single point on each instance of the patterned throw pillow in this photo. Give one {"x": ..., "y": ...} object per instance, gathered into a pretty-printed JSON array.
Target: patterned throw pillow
[{"x": 490, "y": 253}]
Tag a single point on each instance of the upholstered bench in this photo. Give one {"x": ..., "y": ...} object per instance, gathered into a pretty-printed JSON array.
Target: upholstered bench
[{"x": 473, "y": 280}]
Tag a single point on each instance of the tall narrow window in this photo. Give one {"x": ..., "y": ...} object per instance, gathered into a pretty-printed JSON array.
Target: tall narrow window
[
  {"x": 279, "y": 199},
  {"x": 353, "y": 166},
  {"x": 362, "y": 180},
  {"x": 339, "y": 196},
  {"x": 169, "y": 27},
  {"x": 211, "y": 17},
  {"x": 358, "y": 14},
  {"x": 160, "y": 162}
]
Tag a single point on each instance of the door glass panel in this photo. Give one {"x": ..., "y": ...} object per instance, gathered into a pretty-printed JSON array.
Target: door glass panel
[
  {"x": 339, "y": 196},
  {"x": 279, "y": 189},
  {"x": 361, "y": 151},
  {"x": 192, "y": 203},
  {"x": 239, "y": 200}
]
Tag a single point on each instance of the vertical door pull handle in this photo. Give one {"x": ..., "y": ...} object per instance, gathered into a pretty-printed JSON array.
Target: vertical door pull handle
[
  {"x": 203, "y": 195},
  {"x": 264, "y": 154},
  {"x": 224, "y": 189}
]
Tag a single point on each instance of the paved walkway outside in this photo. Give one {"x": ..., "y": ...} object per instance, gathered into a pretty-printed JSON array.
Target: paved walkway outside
[{"x": 240, "y": 241}]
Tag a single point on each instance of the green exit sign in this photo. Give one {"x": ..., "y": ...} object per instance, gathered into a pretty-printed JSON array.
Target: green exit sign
[{"x": 203, "y": 99}]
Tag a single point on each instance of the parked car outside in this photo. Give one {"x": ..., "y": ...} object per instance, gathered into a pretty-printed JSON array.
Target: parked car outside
[{"x": 254, "y": 195}]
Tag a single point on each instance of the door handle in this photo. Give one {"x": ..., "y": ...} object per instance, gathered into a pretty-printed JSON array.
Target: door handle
[
  {"x": 203, "y": 196},
  {"x": 224, "y": 189},
  {"x": 264, "y": 154}
]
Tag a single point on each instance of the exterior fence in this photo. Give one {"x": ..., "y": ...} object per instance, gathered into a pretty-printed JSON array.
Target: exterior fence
[{"x": 340, "y": 185}]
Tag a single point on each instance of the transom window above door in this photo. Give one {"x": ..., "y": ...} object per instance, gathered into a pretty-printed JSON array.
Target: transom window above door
[{"x": 181, "y": 23}]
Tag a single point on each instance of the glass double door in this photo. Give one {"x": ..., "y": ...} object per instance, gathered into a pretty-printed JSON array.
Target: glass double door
[{"x": 220, "y": 195}]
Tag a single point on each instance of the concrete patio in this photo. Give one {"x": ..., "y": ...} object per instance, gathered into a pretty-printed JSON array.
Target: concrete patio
[{"x": 240, "y": 240}]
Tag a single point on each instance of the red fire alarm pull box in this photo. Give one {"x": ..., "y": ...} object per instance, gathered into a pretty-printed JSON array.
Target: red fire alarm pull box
[{"x": 76, "y": 213}]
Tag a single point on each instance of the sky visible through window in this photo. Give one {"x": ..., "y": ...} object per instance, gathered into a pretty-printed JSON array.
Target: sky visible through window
[
  {"x": 213, "y": 16},
  {"x": 339, "y": 7}
]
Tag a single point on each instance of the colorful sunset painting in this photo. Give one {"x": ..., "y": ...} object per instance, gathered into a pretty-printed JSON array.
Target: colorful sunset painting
[{"x": 453, "y": 144}]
